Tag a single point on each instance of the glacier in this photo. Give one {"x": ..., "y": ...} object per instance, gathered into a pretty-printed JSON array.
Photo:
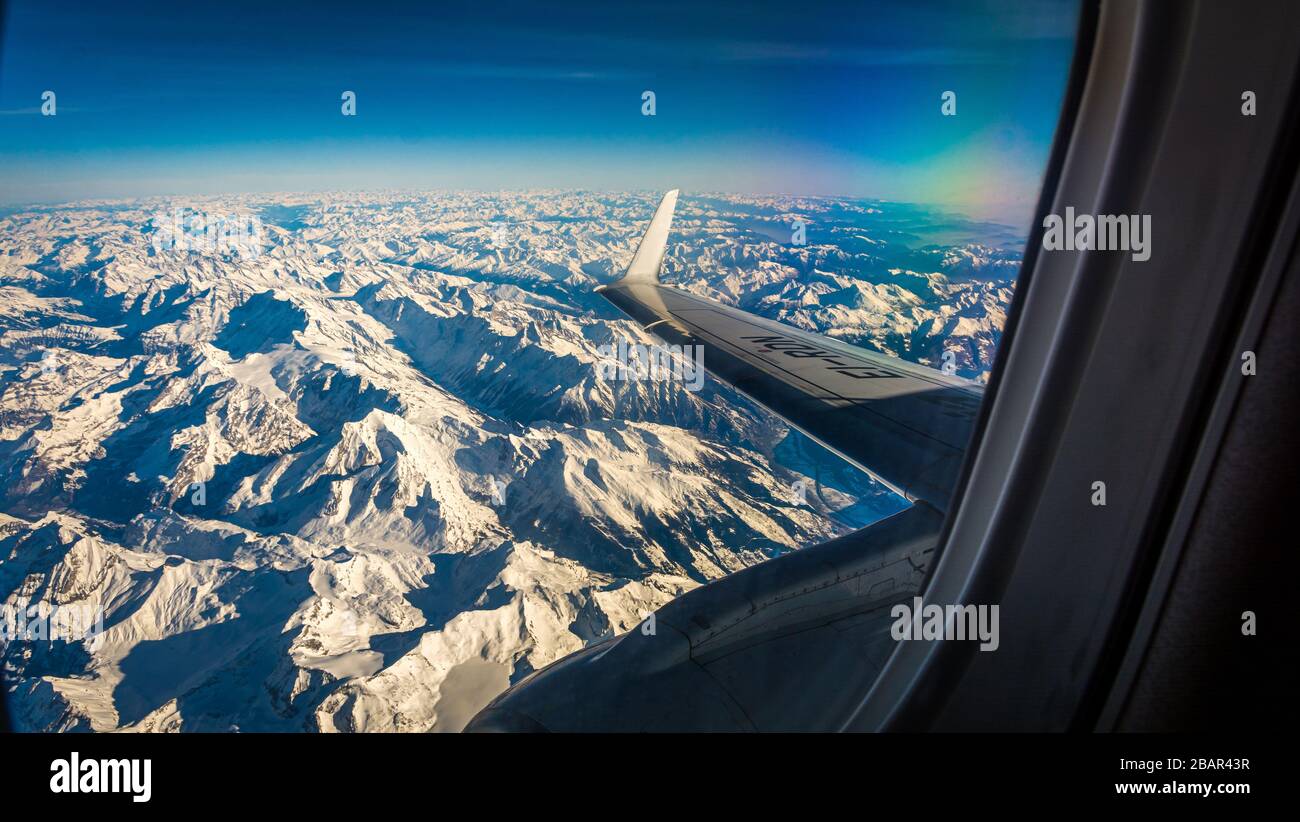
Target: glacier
[{"x": 366, "y": 478}]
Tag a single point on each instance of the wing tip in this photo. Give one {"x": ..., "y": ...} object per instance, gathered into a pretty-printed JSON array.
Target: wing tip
[{"x": 649, "y": 256}]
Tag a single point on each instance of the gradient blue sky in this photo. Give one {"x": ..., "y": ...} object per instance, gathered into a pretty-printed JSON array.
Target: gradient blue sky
[{"x": 789, "y": 97}]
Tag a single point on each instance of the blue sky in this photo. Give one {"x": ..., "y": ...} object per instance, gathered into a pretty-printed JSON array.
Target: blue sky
[{"x": 789, "y": 97}]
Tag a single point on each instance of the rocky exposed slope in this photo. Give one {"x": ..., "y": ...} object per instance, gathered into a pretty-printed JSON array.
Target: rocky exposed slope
[{"x": 368, "y": 477}]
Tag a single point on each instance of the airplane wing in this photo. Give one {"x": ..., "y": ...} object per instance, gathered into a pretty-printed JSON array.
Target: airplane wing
[
  {"x": 905, "y": 424},
  {"x": 782, "y": 644}
]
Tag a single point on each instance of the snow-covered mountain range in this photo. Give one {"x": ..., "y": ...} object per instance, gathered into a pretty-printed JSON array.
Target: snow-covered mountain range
[{"x": 368, "y": 476}]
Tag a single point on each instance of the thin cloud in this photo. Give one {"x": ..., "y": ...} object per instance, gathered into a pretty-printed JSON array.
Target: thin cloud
[{"x": 756, "y": 52}]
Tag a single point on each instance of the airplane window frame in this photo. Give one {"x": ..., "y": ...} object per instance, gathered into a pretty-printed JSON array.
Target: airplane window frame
[{"x": 1152, "y": 68}]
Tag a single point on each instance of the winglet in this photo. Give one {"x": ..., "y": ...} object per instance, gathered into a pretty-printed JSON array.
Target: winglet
[{"x": 649, "y": 258}]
